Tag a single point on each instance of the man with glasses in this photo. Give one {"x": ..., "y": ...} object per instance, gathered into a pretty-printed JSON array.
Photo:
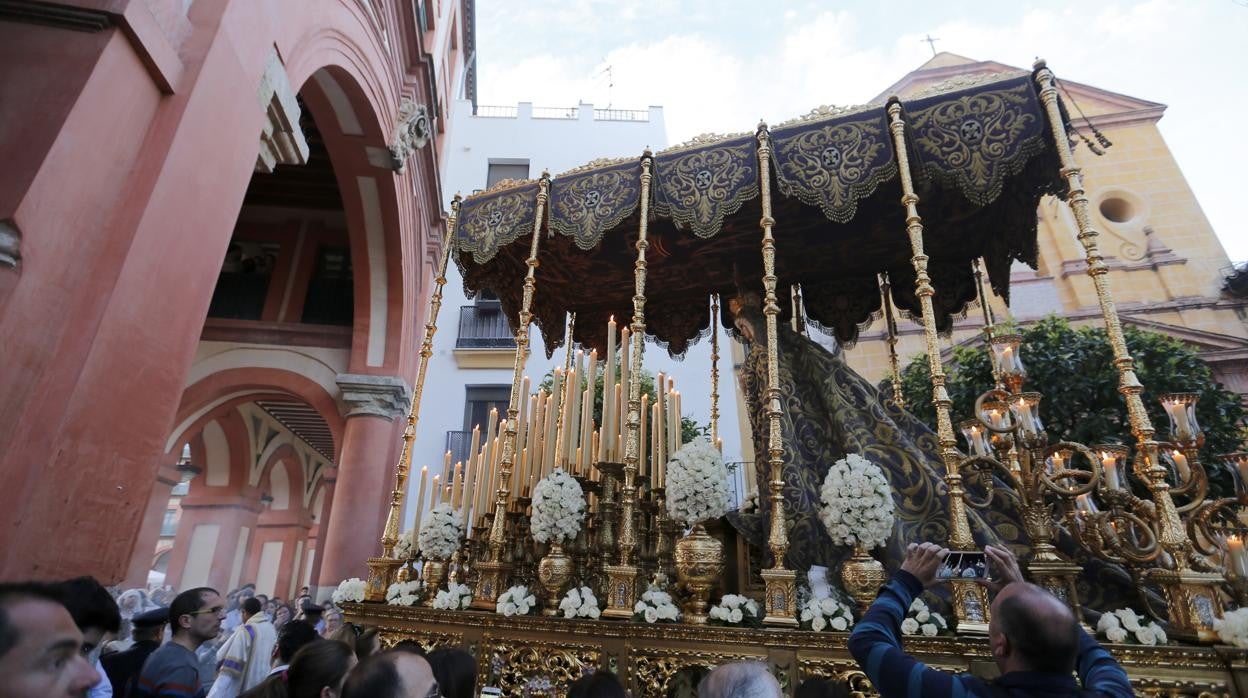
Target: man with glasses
[{"x": 173, "y": 670}]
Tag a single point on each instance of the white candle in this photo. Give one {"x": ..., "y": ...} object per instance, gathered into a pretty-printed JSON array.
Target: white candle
[
  {"x": 1007, "y": 360},
  {"x": 1110, "y": 465},
  {"x": 608, "y": 381},
  {"x": 1182, "y": 469},
  {"x": 586, "y": 428},
  {"x": 437, "y": 492},
  {"x": 1239, "y": 561},
  {"x": 643, "y": 463},
  {"x": 420, "y": 498}
]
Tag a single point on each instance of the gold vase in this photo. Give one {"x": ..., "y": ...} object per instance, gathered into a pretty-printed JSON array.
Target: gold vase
[
  {"x": 862, "y": 576},
  {"x": 553, "y": 572},
  {"x": 699, "y": 564},
  {"x": 434, "y": 573}
]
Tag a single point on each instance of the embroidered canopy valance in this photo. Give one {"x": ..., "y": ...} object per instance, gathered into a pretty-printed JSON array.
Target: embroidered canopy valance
[{"x": 978, "y": 150}]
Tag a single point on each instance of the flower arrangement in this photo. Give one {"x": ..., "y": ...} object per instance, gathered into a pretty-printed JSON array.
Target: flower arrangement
[
  {"x": 516, "y": 601},
  {"x": 405, "y": 546},
  {"x": 697, "y": 483},
  {"x": 580, "y": 603},
  {"x": 656, "y": 606},
  {"x": 826, "y": 614},
  {"x": 558, "y": 508},
  {"x": 1125, "y": 625},
  {"x": 455, "y": 597},
  {"x": 921, "y": 620},
  {"x": 1232, "y": 628},
  {"x": 735, "y": 609},
  {"x": 440, "y": 532},
  {"x": 403, "y": 593},
  {"x": 857, "y": 503},
  {"x": 349, "y": 590}
]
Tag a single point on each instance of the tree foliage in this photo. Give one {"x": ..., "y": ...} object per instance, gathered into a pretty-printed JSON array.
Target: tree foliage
[{"x": 1073, "y": 369}]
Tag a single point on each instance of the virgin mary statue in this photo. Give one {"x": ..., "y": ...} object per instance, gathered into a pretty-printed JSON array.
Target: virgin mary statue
[{"x": 828, "y": 411}]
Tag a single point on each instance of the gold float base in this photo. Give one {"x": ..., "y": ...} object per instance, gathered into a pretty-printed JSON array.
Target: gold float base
[{"x": 511, "y": 652}]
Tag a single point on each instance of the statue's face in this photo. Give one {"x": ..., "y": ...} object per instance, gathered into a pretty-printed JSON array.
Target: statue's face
[{"x": 745, "y": 327}]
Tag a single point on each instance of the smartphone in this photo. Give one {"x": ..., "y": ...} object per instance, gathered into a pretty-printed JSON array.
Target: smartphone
[{"x": 964, "y": 564}]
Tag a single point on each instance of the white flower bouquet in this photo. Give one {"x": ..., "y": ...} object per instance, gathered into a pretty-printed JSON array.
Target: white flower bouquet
[
  {"x": 1126, "y": 626},
  {"x": 558, "y": 508},
  {"x": 656, "y": 607},
  {"x": 921, "y": 620},
  {"x": 1232, "y": 628},
  {"x": 826, "y": 614},
  {"x": 455, "y": 597},
  {"x": 404, "y": 593},
  {"x": 516, "y": 601},
  {"x": 735, "y": 609},
  {"x": 440, "y": 532},
  {"x": 857, "y": 503},
  {"x": 697, "y": 483},
  {"x": 580, "y": 603},
  {"x": 349, "y": 590},
  {"x": 406, "y": 545}
]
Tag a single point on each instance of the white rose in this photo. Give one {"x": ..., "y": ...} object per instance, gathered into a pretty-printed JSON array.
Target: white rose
[
  {"x": 839, "y": 623},
  {"x": 909, "y": 626},
  {"x": 1159, "y": 633},
  {"x": 1131, "y": 623},
  {"x": 1145, "y": 636},
  {"x": 818, "y": 623},
  {"x": 651, "y": 615},
  {"x": 918, "y": 605},
  {"x": 828, "y": 606},
  {"x": 669, "y": 612},
  {"x": 735, "y": 616},
  {"x": 922, "y": 616},
  {"x": 1107, "y": 622},
  {"x": 929, "y": 629},
  {"x": 1116, "y": 634},
  {"x": 510, "y": 609},
  {"x": 639, "y": 607},
  {"x": 718, "y": 613},
  {"x": 806, "y": 615},
  {"x": 594, "y": 612}
]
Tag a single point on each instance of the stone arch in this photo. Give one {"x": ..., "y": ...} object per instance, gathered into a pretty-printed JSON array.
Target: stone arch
[{"x": 282, "y": 477}]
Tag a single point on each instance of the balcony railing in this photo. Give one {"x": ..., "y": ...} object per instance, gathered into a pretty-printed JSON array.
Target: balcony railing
[
  {"x": 483, "y": 327},
  {"x": 457, "y": 442},
  {"x": 737, "y": 486},
  {"x": 621, "y": 115}
]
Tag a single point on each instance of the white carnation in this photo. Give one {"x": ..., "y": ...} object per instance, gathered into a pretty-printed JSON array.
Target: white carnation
[
  {"x": 857, "y": 504},
  {"x": 558, "y": 508},
  {"x": 440, "y": 532},
  {"x": 697, "y": 483}
]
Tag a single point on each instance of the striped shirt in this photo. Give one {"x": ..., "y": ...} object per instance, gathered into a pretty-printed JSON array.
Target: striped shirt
[
  {"x": 876, "y": 645},
  {"x": 171, "y": 672}
]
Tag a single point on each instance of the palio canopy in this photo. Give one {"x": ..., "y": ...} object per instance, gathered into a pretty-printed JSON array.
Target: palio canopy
[{"x": 980, "y": 154}]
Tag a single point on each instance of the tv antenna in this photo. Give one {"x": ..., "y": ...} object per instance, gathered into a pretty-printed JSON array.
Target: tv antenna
[{"x": 610, "y": 82}]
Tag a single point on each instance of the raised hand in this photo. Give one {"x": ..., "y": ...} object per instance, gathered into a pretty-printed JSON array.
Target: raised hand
[{"x": 923, "y": 560}]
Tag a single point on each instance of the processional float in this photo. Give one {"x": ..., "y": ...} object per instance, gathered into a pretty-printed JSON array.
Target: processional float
[{"x": 812, "y": 205}]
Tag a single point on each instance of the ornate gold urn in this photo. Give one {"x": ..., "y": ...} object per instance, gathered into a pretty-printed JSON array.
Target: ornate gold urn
[
  {"x": 699, "y": 565},
  {"x": 434, "y": 572},
  {"x": 553, "y": 572},
  {"x": 862, "y": 576}
]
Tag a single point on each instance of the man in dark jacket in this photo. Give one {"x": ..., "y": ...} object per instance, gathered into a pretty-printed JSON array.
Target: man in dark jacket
[
  {"x": 123, "y": 667},
  {"x": 1035, "y": 639}
]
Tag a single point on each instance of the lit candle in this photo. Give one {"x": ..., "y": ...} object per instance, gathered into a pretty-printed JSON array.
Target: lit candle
[
  {"x": 457, "y": 486},
  {"x": 1085, "y": 504},
  {"x": 1182, "y": 469},
  {"x": 1239, "y": 561},
  {"x": 1109, "y": 464},
  {"x": 437, "y": 491},
  {"x": 420, "y": 497},
  {"x": 719, "y": 444},
  {"x": 1056, "y": 462},
  {"x": 1007, "y": 360}
]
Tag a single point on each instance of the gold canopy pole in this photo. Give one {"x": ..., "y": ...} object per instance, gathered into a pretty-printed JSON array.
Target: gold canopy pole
[
  {"x": 1192, "y": 597},
  {"x": 970, "y": 601},
  {"x": 890, "y": 328},
  {"x": 381, "y": 569},
  {"x": 493, "y": 570},
  {"x": 622, "y": 577},
  {"x": 781, "y": 601}
]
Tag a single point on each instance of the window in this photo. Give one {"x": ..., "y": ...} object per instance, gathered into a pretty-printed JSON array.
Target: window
[
  {"x": 243, "y": 283},
  {"x": 331, "y": 295},
  {"x": 506, "y": 169},
  {"x": 480, "y": 399},
  {"x": 169, "y": 526}
]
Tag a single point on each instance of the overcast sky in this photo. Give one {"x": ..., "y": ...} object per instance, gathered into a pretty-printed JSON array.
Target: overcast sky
[{"x": 721, "y": 65}]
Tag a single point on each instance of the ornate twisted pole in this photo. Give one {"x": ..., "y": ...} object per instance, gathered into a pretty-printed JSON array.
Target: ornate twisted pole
[
  {"x": 381, "y": 569},
  {"x": 494, "y": 570},
  {"x": 969, "y": 600},
  {"x": 890, "y": 330},
  {"x": 781, "y": 582},
  {"x": 1192, "y": 596},
  {"x": 715, "y": 369},
  {"x": 622, "y": 577}
]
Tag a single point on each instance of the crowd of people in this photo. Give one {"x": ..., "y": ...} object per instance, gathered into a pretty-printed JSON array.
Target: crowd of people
[{"x": 55, "y": 643}]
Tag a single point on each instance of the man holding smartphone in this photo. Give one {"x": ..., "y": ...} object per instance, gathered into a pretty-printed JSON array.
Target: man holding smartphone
[{"x": 1035, "y": 638}]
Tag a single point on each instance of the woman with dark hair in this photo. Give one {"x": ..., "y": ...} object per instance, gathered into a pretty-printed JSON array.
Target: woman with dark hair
[
  {"x": 600, "y": 684},
  {"x": 316, "y": 671},
  {"x": 455, "y": 671}
]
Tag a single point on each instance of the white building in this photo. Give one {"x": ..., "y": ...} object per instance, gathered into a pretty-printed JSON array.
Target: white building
[{"x": 474, "y": 349}]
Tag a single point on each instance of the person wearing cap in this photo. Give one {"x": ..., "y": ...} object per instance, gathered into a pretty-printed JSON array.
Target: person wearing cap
[
  {"x": 123, "y": 667},
  {"x": 314, "y": 615}
]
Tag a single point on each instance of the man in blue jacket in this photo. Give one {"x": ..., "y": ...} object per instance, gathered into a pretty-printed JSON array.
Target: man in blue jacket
[{"x": 1035, "y": 639}]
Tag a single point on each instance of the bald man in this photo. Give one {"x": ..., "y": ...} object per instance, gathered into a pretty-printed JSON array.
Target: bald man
[
  {"x": 391, "y": 675},
  {"x": 740, "y": 680},
  {"x": 1035, "y": 639}
]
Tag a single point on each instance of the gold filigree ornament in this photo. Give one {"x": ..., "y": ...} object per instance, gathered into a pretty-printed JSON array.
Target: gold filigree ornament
[
  {"x": 700, "y": 188},
  {"x": 591, "y": 204},
  {"x": 520, "y": 667},
  {"x": 595, "y": 164},
  {"x": 654, "y": 669},
  {"x": 834, "y": 166},
  {"x": 823, "y": 111},
  {"x": 702, "y": 140},
  {"x": 961, "y": 82},
  {"x": 699, "y": 565}
]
